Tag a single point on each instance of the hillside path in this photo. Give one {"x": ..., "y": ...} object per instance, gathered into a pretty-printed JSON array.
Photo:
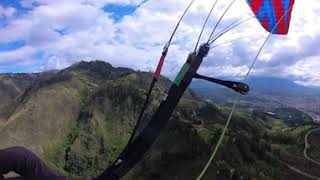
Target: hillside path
[
  {"x": 296, "y": 169},
  {"x": 300, "y": 171},
  {"x": 307, "y": 146}
]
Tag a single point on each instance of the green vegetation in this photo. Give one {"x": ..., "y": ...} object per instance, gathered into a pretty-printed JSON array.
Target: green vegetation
[
  {"x": 314, "y": 150},
  {"x": 79, "y": 119}
]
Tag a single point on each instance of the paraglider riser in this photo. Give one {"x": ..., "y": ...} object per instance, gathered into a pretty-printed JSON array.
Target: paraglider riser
[{"x": 135, "y": 151}]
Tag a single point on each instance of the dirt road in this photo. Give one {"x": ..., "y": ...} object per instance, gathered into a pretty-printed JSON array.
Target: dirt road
[{"x": 307, "y": 146}]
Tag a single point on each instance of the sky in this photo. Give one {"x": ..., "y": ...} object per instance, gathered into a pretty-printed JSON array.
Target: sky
[{"x": 41, "y": 35}]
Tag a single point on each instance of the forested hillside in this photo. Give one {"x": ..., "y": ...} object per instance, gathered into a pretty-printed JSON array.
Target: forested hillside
[{"x": 79, "y": 119}]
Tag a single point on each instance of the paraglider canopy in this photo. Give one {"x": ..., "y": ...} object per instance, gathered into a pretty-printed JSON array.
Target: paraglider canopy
[{"x": 273, "y": 14}]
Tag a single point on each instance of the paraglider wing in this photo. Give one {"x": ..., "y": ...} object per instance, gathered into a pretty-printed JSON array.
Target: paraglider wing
[{"x": 273, "y": 15}]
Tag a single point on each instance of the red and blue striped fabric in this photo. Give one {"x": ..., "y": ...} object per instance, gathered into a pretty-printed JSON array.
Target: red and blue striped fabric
[{"x": 273, "y": 15}]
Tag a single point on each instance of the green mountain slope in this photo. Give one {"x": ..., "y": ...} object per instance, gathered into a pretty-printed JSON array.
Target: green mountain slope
[
  {"x": 79, "y": 119},
  {"x": 11, "y": 87}
]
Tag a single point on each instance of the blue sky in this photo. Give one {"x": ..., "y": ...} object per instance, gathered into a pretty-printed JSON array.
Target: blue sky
[
  {"x": 16, "y": 44},
  {"x": 9, "y": 46},
  {"x": 11, "y": 3},
  {"x": 40, "y": 35},
  {"x": 119, "y": 11},
  {"x": 15, "y": 4}
]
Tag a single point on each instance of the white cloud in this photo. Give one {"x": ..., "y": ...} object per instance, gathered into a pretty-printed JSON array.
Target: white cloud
[
  {"x": 7, "y": 12},
  {"x": 17, "y": 55},
  {"x": 96, "y": 3},
  {"x": 304, "y": 71},
  {"x": 136, "y": 41}
]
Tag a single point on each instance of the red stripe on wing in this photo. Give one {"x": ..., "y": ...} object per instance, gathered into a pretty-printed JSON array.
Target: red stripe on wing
[
  {"x": 279, "y": 11},
  {"x": 255, "y": 6},
  {"x": 265, "y": 23}
]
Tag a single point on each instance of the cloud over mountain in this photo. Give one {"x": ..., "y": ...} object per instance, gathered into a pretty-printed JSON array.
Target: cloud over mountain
[{"x": 131, "y": 33}]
